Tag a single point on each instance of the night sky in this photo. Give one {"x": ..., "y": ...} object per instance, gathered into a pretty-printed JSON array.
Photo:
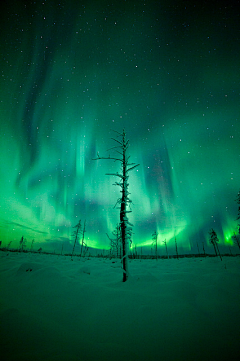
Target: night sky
[{"x": 73, "y": 71}]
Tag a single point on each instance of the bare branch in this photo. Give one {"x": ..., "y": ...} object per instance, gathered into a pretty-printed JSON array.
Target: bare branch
[
  {"x": 118, "y": 141},
  {"x": 119, "y": 152},
  {"x": 132, "y": 167},
  {"x": 117, "y": 146},
  {"x": 118, "y": 184},
  {"x": 120, "y": 134},
  {"x": 115, "y": 174},
  {"x": 107, "y": 158}
]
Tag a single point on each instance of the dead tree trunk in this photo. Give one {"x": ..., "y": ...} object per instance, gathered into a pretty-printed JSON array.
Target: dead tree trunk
[
  {"x": 83, "y": 242},
  {"x": 165, "y": 242},
  {"x": 214, "y": 239},
  {"x": 123, "y": 209},
  {"x": 76, "y": 235},
  {"x": 176, "y": 247},
  {"x": 124, "y": 201},
  {"x": 154, "y": 238}
]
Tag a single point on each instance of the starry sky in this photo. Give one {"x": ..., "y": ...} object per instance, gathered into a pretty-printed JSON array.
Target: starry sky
[{"x": 73, "y": 72}]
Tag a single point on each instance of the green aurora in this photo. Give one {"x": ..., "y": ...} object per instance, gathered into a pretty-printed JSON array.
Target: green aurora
[{"x": 167, "y": 72}]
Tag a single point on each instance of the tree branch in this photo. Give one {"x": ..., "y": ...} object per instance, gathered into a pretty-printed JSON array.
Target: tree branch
[
  {"x": 132, "y": 168},
  {"x": 115, "y": 174},
  {"x": 118, "y": 141},
  {"x": 120, "y": 160}
]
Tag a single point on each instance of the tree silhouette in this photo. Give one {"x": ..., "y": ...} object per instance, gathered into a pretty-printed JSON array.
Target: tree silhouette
[
  {"x": 155, "y": 244},
  {"x": 78, "y": 231},
  {"x": 203, "y": 249},
  {"x": 124, "y": 201},
  {"x": 238, "y": 216},
  {"x": 165, "y": 242},
  {"x": 76, "y": 235},
  {"x": 236, "y": 239},
  {"x": 22, "y": 243},
  {"x": 176, "y": 247},
  {"x": 214, "y": 241},
  {"x": 32, "y": 245},
  {"x": 115, "y": 242},
  {"x": 84, "y": 246}
]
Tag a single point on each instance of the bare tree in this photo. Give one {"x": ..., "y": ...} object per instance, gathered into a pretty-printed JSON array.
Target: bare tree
[
  {"x": 203, "y": 249},
  {"x": 124, "y": 201},
  {"x": 165, "y": 242},
  {"x": 155, "y": 244},
  {"x": 176, "y": 247},
  {"x": 238, "y": 216},
  {"x": 236, "y": 239},
  {"x": 76, "y": 234},
  {"x": 22, "y": 243},
  {"x": 115, "y": 242},
  {"x": 84, "y": 246},
  {"x": 214, "y": 240}
]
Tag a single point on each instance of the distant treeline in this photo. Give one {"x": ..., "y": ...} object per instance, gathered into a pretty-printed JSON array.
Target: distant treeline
[{"x": 130, "y": 256}]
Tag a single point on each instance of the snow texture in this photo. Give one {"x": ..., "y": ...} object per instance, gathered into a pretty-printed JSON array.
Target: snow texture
[{"x": 53, "y": 308}]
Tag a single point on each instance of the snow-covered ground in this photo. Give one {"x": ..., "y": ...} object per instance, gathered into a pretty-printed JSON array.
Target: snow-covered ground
[{"x": 53, "y": 308}]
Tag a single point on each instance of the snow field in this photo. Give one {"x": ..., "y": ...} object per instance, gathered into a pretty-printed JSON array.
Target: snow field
[{"x": 53, "y": 308}]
